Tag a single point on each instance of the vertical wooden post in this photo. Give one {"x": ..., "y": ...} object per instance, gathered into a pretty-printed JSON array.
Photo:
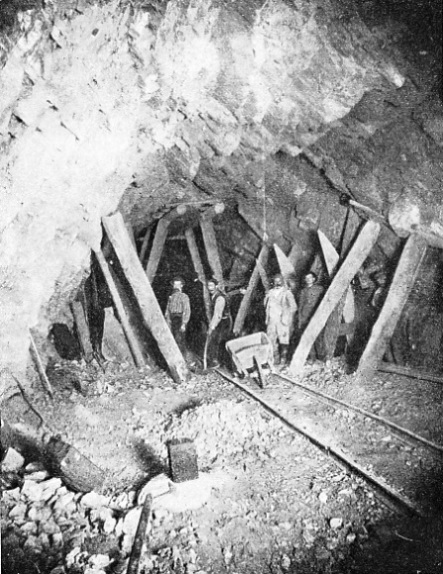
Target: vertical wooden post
[
  {"x": 198, "y": 266},
  {"x": 131, "y": 338},
  {"x": 402, "y": 283},
  {"x": 158, "y": 244},
  {"x": 150, "y": 309},
  {"x": 210, "y": 240},
  {"x": 253, "y": 280},
  {"x": 357, "y": 255},
  {"x": 82, "y": 330}
]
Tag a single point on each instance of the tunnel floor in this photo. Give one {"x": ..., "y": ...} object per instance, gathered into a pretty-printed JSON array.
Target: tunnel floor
[{"x": 266, "y": 499}]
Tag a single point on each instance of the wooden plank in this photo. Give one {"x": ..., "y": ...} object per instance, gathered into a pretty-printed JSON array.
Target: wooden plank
[
  {"x": 198, "y": 266},
  {"x": 253, "y": 280},
  {"x": 82, "y": 329},
  {"x": 402, "y": 283},
  {"x": 158, "y": 244},
  {"x": 384, "y": 367},
  {"x": 211, "y": 247},
  {"x": 38, "y": 362},
  {"x": 357, "y": 255},
  {"x": 140, "y": 538},
  {"x": 263, "y": 275},
  {"x": 134, "y": 346},
  {"x": 286, "y": 267},
  {"x": 149, "y": 306},
  {"x": 145, "y": 244}
]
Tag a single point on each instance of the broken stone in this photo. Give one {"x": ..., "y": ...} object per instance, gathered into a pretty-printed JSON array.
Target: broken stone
[
  {"x": 350, "y": 538},
  {"x": 18, "y": 512},
  {"x": 50, "y": 487},
  {"x": 72, "y": 557},
  {"x": 13, "y": 461},
  {"x": 58, "y": 570},
  {"x": 99, "y": 561},
  {"x": 188, "y": 495},
  {"x": 131, "y": 521},
  {"x": 336, "y": 523},
  {"x": 109, "y": 525},
  {"x": 94, "y": 500},
  {"x": 38, "y": 475},
  {"x": 323, "y": 497}
]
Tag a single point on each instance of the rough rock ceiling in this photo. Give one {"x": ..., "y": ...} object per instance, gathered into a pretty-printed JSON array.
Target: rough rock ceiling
[{"x": 150, "y": 103}]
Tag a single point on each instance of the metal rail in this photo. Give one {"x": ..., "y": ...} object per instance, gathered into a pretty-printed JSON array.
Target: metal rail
[
  {"x": 310, "y": 391},
  {"x": 336, "y": 454}
]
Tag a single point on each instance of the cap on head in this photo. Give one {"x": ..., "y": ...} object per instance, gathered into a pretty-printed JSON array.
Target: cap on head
[
  {"x": 212, "y": 280},
  {"x": 177, "y": 278}
]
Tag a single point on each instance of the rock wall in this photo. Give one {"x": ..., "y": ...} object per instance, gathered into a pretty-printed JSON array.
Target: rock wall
[{"x": 163, "y": 102}]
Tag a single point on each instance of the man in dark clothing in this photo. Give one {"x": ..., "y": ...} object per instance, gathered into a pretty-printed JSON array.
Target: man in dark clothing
[
  {"x": 178, "y": 313},
  {"x": 220, "y": 325},
  {"x": 310, "y": 297}
]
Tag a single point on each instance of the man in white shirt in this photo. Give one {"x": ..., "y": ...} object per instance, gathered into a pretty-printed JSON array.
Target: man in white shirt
[
  {"x": 219, "y": 326},
  {"x": 280, "y": 314}
]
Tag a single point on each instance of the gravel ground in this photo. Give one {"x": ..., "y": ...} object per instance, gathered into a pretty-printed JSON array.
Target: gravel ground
[{"x": 266, "y": 499}]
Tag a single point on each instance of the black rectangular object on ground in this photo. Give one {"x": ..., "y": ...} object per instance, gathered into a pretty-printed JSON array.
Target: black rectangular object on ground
[{"x": 183, "y": 464}]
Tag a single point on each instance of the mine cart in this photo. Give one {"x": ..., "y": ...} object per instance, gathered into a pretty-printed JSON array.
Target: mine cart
[{"x": 252, "y": 352}]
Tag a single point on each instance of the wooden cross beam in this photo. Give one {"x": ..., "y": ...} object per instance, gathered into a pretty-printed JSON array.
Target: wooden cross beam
[
  {"x": 210, "y": 240},
  {"x": 145, "y": 243},
  {"x": 253, "y": 280},
  {"x": 356, "y": 256},
  {"x": 402, "y": 283},
  {"x": 147, "y": 301},
  {"x": 158, "y": 244},
  {"x": 198, "y": 266},
  {"x": 134, "y": 346}
]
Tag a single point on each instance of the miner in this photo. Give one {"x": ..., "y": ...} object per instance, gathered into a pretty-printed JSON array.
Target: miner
[
  {"x": 178, "y": 313},
  {"x": 309, "y": 299},
  {"x": 220, "y": 325},
  {"x": 280, "y": 308}
]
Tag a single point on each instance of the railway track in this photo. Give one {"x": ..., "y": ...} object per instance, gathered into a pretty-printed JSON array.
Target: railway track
[{"x": 384, "y": 491}]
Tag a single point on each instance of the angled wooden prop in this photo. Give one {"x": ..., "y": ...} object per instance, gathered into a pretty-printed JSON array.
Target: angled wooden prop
[
  {"x": 356, "y": 256},
  {"x": 158, "y": 244},
  {"x": 210, "y": 240},
  {"x": 402, "y": 283},
  {"x": 131, "y": 338},
  {"x": 331, "y": 258},
  {"x": 150, "y": 309},
  {"x": 253, "y": 280},
  {"x": 286, "y": 267},
  {"x": 199, "y": 269}
]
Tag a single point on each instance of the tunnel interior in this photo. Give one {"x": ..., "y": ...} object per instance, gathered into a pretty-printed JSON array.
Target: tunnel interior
[{"x": 283, "y": 430}]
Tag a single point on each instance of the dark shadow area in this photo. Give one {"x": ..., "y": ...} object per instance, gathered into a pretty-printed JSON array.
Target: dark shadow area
[
  {"x": 65, "y": 343},
  {"x": 148, "y": 461}
]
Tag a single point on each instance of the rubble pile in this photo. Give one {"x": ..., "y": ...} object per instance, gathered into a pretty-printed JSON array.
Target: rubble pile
[{"x": 224, "y": 432}]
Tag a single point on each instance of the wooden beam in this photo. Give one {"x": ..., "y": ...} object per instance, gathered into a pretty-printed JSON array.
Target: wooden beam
[
  {"x": 150, "y": 309},
  {"x": 253, "y": 280},
  {"x": 134, "y": 346},
  {"x": 198, "y": 266},
  {"x": 158, "y": 244},
  {"x": 145, "y": 244},
  {"x": 263, "y": 275},
  {"x": 210, "y": 241},
  {"x": 357, "y": 255},
  {"x": 38, "y": 362},
  {"x": 402, "y": 283},
  {"x": 82, "y": 329}
]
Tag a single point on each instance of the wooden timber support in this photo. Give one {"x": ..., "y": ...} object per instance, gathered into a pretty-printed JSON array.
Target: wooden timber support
[
  {"x": 198, "y": 266},
  {"x": 140, "y": 537},
  {"x": 253, "y": 281},
  {"x": 131, "y": 338},
  {"x": 145, "y": 243},
  {"x": 158, "y": 244},
  {"x": 356, "y": 256},
  {"x": 210, "y": 240},
  {"x": 82, "y": 329},
  {"x": 38, "y": 363},
  {"x": 402, "y": 283},
  {"x": 141, "y": 286}
]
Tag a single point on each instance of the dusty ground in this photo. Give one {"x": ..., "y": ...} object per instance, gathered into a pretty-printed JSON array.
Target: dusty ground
[{"x": 266, "y": 501}]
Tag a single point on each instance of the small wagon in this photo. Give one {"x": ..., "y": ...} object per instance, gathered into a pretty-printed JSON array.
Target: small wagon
[{"x": 252, "y": 352}]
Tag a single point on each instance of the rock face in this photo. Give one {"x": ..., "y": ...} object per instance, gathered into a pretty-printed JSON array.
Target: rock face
[{"x": 102, "y": 104}]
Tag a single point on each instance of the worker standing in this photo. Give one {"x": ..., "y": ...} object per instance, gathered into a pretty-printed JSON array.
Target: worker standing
[
  {"x": 280, "y": 314},
  {"x": 178, "y": 313},
  {"x": 220, "y": 325},
  {"x": 310, "y": 297}
]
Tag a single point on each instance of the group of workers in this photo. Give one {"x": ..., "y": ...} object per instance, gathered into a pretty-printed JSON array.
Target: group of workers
[{"x": 284, "y": 317}]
